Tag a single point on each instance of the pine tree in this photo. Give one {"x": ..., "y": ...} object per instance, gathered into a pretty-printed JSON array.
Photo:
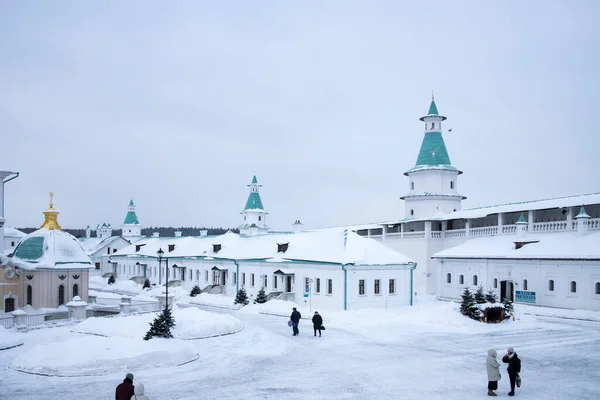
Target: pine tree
[
  {"x": 490, "y": 297},
  {"x": 468, "y": 307},
  {"x": 146, "y": 284},
  {"x": 111, "y": 279},
  {"x": 161, "y": 326},
  {"x": 195, "y": 291},
  {"x": 479, "y": 296},
  {"x": 508, "y": 306},
  {"x": 261, "y": 297},
  {"x": 241, "y": 297}
]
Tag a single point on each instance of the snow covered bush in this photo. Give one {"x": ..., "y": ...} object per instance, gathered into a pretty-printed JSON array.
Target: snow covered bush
[
  {"x": 161, "y": 326},
  {"x": 195, "y": 291},
  {"x": 241, "y": 297},
  {"x": 490, "y": 297},
  {"x": 508, "y": 306},
  {"x": 261, "y": 297},
  {"x": 479, "y": 296},
  {"x": 468, "y": 307},
  {"x": 111, "y": 279}
]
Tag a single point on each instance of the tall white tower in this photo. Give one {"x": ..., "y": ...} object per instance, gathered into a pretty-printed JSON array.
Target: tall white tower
[
  {"x": 131, "y": 228},
  {"x": 433, "y": 181},
  {"x": 255, "y": 216},
  {"x": 5, "y": 176}
]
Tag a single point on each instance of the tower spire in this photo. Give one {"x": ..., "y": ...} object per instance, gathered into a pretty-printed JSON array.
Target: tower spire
[{"x": 50, "y": 217}]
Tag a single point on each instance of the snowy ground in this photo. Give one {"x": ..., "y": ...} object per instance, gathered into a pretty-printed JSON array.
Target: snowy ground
[{"x": 425, "y": 352}]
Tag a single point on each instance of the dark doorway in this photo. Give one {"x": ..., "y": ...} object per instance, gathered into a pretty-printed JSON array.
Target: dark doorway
[
  {"x": 507, "y": 290},
  {"x": 288, "y": 283},
  {"x": 9, "y": 305}
]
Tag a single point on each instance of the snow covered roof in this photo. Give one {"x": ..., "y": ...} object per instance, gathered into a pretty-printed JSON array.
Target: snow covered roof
[
  {"x": 12, "y": 232},
  {"x": 92, "y": 245},
  {"x": 549, "y": 246},
  {"x": 323, "y": 246},
  {"x": 49, "y": 249}
]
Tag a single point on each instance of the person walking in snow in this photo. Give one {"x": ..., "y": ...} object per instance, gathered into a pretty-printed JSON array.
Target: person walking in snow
[
  {"x": 493, "y": 371},
  {"x": 317, "y": 321},
  {"x": 139, "y": 393},
  {"x": 514, "y": 368},
  {"x": 125, "y": 390},
  {"x": 295, "y": 318}
]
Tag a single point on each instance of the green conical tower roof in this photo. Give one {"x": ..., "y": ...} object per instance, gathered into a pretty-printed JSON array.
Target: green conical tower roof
[
  {"x": 131, "y": 218},
  {"x": 131, "y": 203},
  {"x": 521, "y": 219},
  {"x": 254, "y": 180},
  {"x": 254, "y": 202},
  {"x": 432, "y": 108},
  {"x": 433, "y": 150}
]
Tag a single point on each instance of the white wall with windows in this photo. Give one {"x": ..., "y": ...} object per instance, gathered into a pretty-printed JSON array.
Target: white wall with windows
[{"x": 573, "y": 284}]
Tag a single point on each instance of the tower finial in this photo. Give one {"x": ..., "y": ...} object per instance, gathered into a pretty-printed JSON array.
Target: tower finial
[
  {"x": 51, "y": 197},
  {"x": 432, "y": 97}
]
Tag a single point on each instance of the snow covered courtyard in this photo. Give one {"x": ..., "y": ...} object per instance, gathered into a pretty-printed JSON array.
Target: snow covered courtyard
[{"x": 425, "y": 352}]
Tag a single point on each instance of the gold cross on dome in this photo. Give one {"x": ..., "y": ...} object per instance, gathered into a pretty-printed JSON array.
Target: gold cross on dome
[{"x": 51, "y": 196}]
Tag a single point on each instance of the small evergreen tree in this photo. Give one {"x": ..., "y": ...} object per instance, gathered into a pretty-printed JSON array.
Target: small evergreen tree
[
  {"x": 161, "y": 326},
  {"x": 490, "y": 297},
  {"x": 195, "y": 291},
  {"x": 146, "y": 284},
  {"x": 508, "y": 306},
  {"x": 261, "y": 297},
  {"x": 479, "y": 296},
  {"x": 111, "y": 279},
  {"x": 468, "y": 307},
  {"x": 241, "y": 297}
]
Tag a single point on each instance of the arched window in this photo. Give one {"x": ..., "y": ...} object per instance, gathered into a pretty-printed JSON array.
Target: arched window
[
  {"x": 259, "y": 218},
  {"x": 451, "y": 184},
  {"x": 61, "y": 295},
  {"x": 412, "y": 186},
  {"x": 197, "y": 274},
  {"x": 474, "y": 280},
  {"x": 524, "y": 284},
  {"x": 597, "y": 287},
  {"x": 432, "y": 125},
  {"x": 29, "y": 295},
  {"x": 412, "y": 212},
  {"x": 495, "y": 283},
  {"x": 573, "y": 287},
  {"x": 551, "y": 285},
  {"x": 449, "y": 278},
  {"x": 461, "y": 279},
  {"x": 75, "y": 290}
]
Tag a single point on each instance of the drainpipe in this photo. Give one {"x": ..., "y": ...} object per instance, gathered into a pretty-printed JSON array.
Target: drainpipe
[
  {"x": 412, "y": 270},
  {"x": 12, "y": 177},
  {"x": 237, "y": 275},
  {"x": 346, "y": 285}
]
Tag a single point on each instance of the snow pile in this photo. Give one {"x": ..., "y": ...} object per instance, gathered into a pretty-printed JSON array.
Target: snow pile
[
  {"x": 558, "y": 312},
  {"x": 94, "y": 355},
  {"x": 9, "y": 339},
  {"x": 277, "y": 307},
  {"x": 190, "y": 323},
  {"x": 210, "y": 299}
]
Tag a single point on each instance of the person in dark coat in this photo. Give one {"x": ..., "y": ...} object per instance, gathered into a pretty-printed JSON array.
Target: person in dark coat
[
  {"x": 514, "y": 368},
  {"x": 295, "y": 318},
  {"x": 125, "y": 390},
  {"x": 317, "y": 321}
]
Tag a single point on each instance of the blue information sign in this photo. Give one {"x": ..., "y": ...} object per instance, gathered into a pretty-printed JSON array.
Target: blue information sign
[{"x": 524, "y": 296}]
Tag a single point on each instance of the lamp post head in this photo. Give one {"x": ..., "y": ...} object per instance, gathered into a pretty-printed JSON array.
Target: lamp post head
[{"x": 160, "y": 253}]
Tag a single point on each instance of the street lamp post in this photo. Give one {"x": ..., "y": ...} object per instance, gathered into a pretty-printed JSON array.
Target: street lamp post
[{"x": 160, "y": 254}]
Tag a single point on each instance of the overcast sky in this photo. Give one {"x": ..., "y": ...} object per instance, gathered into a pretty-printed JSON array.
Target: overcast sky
[{"x": 177, "y": 105}]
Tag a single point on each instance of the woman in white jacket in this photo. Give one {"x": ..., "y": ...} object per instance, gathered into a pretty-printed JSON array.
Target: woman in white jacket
[
  {"x": 139, "y": 392},
  {"x": 493, "y": 371}
]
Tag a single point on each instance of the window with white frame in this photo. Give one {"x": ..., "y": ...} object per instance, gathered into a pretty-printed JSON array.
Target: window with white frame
[
  {"x": 495, "y": 283},
  {"x": 461, "y": 279},
  {"x": 197, "y": 274},
  {"x": 251, "y": 280},
  {"x": 573, "y": 287},
  {"x": 206, "y": 275},
  {"x": 234, "y": 280},
  {"x": 265, "y": 282},
  {"x": 243, "y": 278},
  {"x": 377, "y": 286},
  {"x": 191, "y": 274},
  {"x": 392, "y": 286},
  {"x": 474, "y": 280},
  {"x": 329, "y": 286},
  {"x": 361, "y": 286},
  {"x": 274, "y": 281},
  {"x": 598, "y": 288},
  {"x": 318, "y": 285},
  {"x": 551, "y": 285},
  {"x": 524, "y": 284},
  {"x": 448, "y": 277}
]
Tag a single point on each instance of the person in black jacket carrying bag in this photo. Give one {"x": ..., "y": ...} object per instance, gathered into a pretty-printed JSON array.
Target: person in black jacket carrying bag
[
  {"x": 295, "y": 318},
  {"x": 514, "y": 368},
  {"x": 317, "y": 321}
]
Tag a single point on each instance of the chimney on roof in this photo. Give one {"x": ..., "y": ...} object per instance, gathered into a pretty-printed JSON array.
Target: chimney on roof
[
  {"x": 297, "y": 226},
  {"x": 177, "y": 233},
  {"x": 155, "y": 234},
  {"x": 203, "y": 232},
  {"x": 583, "y": 220},
  {"x": 521, "y": 226}
]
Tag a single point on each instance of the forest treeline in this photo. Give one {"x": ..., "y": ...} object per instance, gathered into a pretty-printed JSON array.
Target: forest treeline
[{"x": 163, "y": 231}]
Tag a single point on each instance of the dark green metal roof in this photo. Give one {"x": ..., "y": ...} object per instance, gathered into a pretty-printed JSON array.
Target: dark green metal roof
[
  {"x": 433, "y": 108},
  {"x": 30, "y": 249},
  {"x": 254, "y": 202},
  {"x": 131, "y": 218},
  {"x": 433, "y": 150},
  {"x": 254, "y": 180},
  {"x": 131, "y": 203}
]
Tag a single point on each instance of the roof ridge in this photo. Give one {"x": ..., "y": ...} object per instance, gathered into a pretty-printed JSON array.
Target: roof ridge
[{"x": 532, "y": 201}]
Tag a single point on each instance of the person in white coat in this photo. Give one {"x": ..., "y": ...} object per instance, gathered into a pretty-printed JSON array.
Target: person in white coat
[
  {"x": 139, "y": 393},
  {"x": 493, "y": 371}
]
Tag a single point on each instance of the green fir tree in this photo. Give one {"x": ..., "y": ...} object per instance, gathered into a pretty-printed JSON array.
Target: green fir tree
[
  {"x": 111, "y": 279},
  {"x": 241, "y": 297},
  {"x": 261, "y": 297},
  {"x": 161, "y": 326},
  {"x": 468, "y": 307},
  {"x": 508, "y": 306},
  {"x": 479, "y": 296},
  {"x": 195, "y": 291},
  {"x": 490, "y": 297},
  {"x": 146, "y": 284}
]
